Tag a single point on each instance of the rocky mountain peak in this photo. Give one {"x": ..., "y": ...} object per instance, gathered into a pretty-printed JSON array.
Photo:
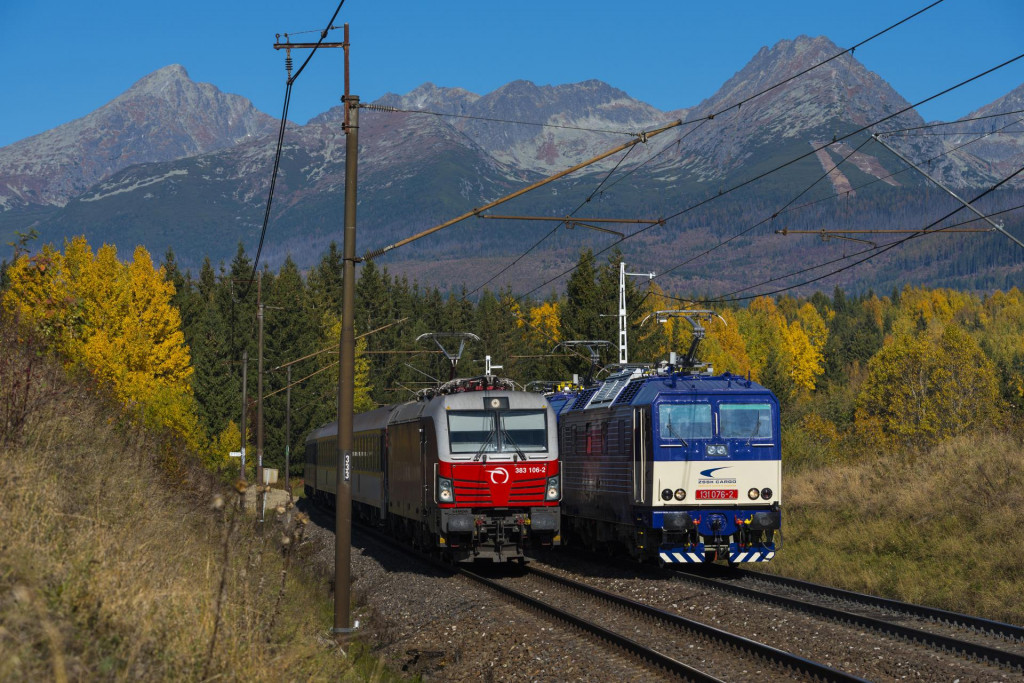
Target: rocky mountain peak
[{"x": 163, "y": 116}]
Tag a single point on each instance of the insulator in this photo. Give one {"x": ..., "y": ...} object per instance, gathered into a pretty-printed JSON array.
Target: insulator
[{"x": 288, "y": 63}]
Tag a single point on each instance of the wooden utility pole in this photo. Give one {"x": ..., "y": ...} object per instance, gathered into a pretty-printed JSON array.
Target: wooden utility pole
[
  {"x": 288, "y": 434},
  {"x": 259, "y": 382},
  {"x": 346, "y": 355},
  {"x": 245, "y": 367}
]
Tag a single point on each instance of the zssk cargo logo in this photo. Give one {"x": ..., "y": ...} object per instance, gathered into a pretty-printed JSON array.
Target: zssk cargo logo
[
  {"x": 499, "y": 475},
  {"x": 710, "y": 478}
]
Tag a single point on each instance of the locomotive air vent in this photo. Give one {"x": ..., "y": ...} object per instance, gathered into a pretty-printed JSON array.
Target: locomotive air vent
[
  {"x": 629, "y": 393},
  {"x": 610, "y": 389}
]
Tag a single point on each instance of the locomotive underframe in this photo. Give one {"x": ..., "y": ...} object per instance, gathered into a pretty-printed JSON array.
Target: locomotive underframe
[{"x": 681, "y": 535}]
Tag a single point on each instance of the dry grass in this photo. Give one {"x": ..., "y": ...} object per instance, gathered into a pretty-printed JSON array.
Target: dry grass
[
  {"x": 938, "y": 528},
  {"x": 112, "y": 558}
]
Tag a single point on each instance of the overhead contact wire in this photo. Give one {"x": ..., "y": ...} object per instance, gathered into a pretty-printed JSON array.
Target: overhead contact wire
[
  {"x": 795, "y": 160},
  {"x": 280, "y": 146},
  {"x": 927, "y": 230}
]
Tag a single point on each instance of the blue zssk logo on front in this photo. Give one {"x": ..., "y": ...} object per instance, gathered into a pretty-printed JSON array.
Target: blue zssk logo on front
[{"x": 710, "y": 473}]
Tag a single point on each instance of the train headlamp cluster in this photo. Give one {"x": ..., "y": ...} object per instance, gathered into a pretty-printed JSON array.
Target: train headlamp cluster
[
  {"x": 754, "y": 493},
  {"x": 445, "y": 490},
  {"x": 554, "y": 489},
  {"x": 669, "y": 494},
  {"x": 717, "y": 449}
]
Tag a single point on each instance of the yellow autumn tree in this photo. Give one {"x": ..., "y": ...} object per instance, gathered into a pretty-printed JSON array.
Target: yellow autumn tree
[
  {"x": 784, "y": 355},
  {"x": 362, "y": 401},
  {"x": 724, "y": 346},
  {"x": 543, "y": 325},
  {"x": 924, "y": 387},
  {"x": 117, "y": 321}
]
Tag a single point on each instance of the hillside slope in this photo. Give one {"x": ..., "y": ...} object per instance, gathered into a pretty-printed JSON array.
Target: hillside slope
[{"x": 112, "y": 560}]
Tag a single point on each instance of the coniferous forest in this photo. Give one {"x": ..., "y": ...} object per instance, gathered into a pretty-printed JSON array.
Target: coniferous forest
[
  {"x": 855, "y": 374},
  {"x": 901, "y": 410}
]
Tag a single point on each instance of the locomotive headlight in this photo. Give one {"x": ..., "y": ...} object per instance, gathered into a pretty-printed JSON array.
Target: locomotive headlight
[
  {"x": 680, "y": 494},
  {"x": 666, "y": 494},
  {"x": 721, "y": 450},
  {"x": 766, "y": 493},
  {"x": 753, "y": 494},
  {"x": 554, "y": 491},
  {"x": 445, "y": 490}
]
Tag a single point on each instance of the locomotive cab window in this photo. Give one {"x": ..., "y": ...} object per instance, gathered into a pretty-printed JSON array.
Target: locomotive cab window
[
  {"x": 475, "y": 431},
  {"x": 526, "y": 430},
  {"x": 684, "y": 420},
  {"x": 472, "y": 431},
  {"x": 745, "y": 420}
]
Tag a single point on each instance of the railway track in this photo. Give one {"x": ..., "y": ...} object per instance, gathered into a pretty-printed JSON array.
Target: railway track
[
  {"x": 655, "y": 635},
  {"x": 996, "y": 629},
  {"x": 981, "y": 639},
  {"x": 669, "y": 643}
]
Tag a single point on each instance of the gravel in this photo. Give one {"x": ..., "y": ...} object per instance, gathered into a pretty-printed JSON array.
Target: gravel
[{"x": 428, "y": 623}]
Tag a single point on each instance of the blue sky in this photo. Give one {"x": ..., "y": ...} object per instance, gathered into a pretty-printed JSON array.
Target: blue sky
[{"x": 63, "y": 59}]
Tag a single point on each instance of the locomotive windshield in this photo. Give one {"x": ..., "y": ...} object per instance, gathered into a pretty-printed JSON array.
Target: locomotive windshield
[
  {"x": 685, "y": 421},
  {"x": 746, "y": 420},
  {"x": 473, "y": 431},
  {"x": 525, "y": 429}
]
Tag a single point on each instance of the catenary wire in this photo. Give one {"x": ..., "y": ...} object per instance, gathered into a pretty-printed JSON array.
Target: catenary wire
[
  {"x": 850, "y": 50},
  {"x": 725, "y": 297},
  {"x": 280, "y": 145},
  {"x": 927, "y": 230},
  {"x": 787, "y": 207},
  {"x": 786, "y": 164},
  {"x": 929, "y": 160}
]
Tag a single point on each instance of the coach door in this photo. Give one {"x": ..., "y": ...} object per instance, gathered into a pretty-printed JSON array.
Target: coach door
[
  {"x": 641, "y": 452},
  {"x": 382, "y": 460}
]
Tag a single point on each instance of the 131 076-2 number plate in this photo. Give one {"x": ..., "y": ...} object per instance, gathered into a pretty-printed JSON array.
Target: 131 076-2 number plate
[{"x": 718, "y": 494}]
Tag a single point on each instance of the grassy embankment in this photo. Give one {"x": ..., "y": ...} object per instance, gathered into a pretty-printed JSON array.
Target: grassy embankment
[
  {"x": 115, "y": 565},
  {"x": 939, "y": 528}
]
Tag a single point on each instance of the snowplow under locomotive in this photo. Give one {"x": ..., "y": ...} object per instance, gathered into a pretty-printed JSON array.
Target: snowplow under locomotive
[{"x": 470, "y": 469}]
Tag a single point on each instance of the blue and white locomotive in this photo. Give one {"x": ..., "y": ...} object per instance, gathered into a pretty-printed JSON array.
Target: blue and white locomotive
[{"x": 673, "y": 465}]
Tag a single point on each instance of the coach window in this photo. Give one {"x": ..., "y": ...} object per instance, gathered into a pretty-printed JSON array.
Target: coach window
[
  {"x": 684, "y": 421},
  {"x": 745, "y": 420}
]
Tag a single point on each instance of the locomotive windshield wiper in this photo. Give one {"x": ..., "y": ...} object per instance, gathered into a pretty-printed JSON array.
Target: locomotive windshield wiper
[
  {"x": 515, "y": 446},
  {"x": 674, "y": 433},
  {"x": 483, "y": 447}
]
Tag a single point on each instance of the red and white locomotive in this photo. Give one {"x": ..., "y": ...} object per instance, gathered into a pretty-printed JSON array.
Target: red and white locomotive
[{"x": 470, "y": 468}]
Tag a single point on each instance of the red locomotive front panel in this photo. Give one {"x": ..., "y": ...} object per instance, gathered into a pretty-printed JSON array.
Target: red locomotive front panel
[{"x": 501, "y": 485}]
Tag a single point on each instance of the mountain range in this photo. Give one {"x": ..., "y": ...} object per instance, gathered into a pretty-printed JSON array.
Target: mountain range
[{"x": 176, "y": 164}]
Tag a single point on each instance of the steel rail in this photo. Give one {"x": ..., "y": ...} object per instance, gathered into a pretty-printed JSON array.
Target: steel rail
[
  {"x": 751, "y": 647},
  {"x": 981, "y": 652},
  {"x": 654, "y": 657},
  {"x": 650, "y": 656},
  {"x": 997, "y": 628}
]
